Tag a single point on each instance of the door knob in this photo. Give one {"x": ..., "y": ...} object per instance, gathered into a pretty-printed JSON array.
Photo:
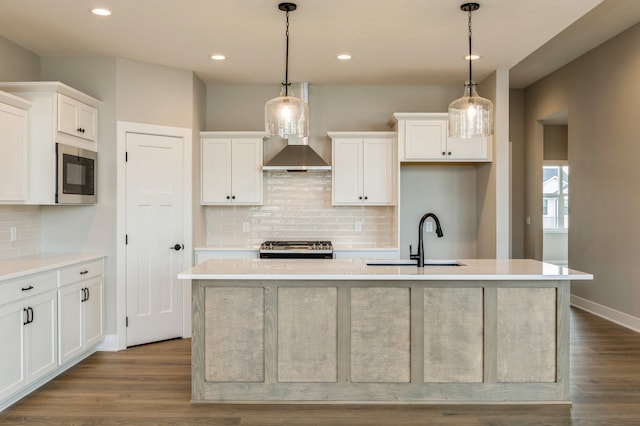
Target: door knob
[{"x": 177, "y": 247}]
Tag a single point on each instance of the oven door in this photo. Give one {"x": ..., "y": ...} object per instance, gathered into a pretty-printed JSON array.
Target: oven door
[{"x": 76, "y": 175}]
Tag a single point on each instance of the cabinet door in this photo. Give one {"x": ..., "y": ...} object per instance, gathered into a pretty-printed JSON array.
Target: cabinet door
[
  {"x": 13, "y": 161},
  {"x": 347, "y": 174},
  {"x": 41, "y": 336},
  {"x": 70, "y": 322},
  {"x": 93, "y": 315},
  {"x": 378, "y": 181},
  {"x": 87, "y": 120},
  {"x": 425, "y": 139},
  {"x": 12, "y": 350},
  {"x": 468, "y": 148},
  {"x": 216, "y": 171},
  {"x": 246, "y": 171},
  {"x": 76, "y": 119}
]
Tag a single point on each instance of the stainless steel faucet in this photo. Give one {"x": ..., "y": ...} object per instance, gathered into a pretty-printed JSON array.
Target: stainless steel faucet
[{"x": 420, "y": 255}]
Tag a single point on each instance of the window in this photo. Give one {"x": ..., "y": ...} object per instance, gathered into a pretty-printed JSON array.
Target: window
[{"x": 555, "y": 192}]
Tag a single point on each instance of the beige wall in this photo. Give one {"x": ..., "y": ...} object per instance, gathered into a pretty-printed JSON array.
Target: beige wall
[{"x": 601, "y": 93}]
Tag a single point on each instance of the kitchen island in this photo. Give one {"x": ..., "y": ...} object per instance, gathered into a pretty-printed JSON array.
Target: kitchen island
[{"x": 325, "y": 330}]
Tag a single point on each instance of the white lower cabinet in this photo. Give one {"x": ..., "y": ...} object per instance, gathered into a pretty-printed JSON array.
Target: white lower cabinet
[
  {"x": 28, "y": 331},
  {"x": 48, "y": 322},
  {"x": 81, "y": 312}
]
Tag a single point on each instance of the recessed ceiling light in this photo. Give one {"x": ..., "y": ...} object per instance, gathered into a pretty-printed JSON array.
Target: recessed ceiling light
[
  {"x": 472, "y": 57},
  {"x": 344, "y": 56},
  {"x": 101, "y": 11},
  {"x": 218, "y": 57}
]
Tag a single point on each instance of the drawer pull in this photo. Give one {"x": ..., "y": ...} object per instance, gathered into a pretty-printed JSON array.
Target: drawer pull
[
  {"x": 84, "y": 272},
  {"x": 27, "y": 288}
]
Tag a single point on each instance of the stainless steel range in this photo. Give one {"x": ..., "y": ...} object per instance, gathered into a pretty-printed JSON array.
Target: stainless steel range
[{"x": 296, "y": 250}]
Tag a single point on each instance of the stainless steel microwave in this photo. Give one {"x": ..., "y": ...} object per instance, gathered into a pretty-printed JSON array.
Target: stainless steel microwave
[{"x": 77, "y": 175}]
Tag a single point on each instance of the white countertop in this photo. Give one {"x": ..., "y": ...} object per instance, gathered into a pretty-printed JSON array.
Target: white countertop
[
  {"x": 357, "y": 269},
  {"x": 21, "y": 266}
]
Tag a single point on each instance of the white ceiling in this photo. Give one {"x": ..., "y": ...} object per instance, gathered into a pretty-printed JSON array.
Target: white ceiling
[{"x": 392, "y": 41}]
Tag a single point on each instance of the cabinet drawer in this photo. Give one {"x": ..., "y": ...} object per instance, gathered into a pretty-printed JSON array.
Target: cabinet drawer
[
  {"x": 80, "y": 272},
  {"x": 11, "y": 291}
]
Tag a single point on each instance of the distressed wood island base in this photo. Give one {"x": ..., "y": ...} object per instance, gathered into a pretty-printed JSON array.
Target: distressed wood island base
[{"x": 490, "y": 331}]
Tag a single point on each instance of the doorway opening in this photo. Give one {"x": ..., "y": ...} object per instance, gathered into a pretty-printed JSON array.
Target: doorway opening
[{"x": 555, "y": 195}]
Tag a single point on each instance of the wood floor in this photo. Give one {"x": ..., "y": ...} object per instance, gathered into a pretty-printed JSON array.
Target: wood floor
[{"x": 150, "y": 385}]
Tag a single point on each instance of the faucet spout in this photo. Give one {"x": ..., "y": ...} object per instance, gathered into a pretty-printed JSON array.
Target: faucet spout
[{"x": 439, "y": 233}]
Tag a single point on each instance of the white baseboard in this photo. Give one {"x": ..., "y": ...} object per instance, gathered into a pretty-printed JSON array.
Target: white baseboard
[
  {"x": 620, "y": 318},
  {"x": 109, "y": 344}
]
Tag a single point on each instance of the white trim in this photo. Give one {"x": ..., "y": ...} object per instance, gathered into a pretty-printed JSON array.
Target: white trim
[
  {"x": 109, "y": 343},
  {"x": 620, "y": 318},
  {"x": 124, "y": 127}
]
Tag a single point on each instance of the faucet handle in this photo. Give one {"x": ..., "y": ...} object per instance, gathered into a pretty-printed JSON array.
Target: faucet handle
[{"x": 412, "y": 255}]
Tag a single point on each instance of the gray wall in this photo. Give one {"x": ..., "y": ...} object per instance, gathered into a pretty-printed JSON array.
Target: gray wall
[
  {"x": 89, "y": 228},
  {"x": 130, "y": 91},
  {"x": 516, "y": 137},
  {"x": 601, "y": 93},
  {"x": 449, "y": 191},
  {"x": 16, "y": 63},
  {"x": 555, "y": 142}
]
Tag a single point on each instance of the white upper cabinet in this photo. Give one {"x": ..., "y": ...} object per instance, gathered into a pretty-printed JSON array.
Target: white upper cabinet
[
  {"x": 231, "y": 168},
  {"x": 424, "y": 137},
  {"x": 14, "y": 144},
  {"x": 364, "y": 168},
  {"x": 58, "y": 113},
  {"x": 77, "y": 118}
]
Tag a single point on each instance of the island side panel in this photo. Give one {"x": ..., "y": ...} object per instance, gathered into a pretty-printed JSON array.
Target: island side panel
[
  {"x": 526, "y": 335},
  {"x": 453, "y": 335},
  {"x": 234, "y": 335},
  {"x": 563, "y": 332},
  {"x": 307, "y": 334},
  {"x": 197, "y": 341},
  {"x": 380, "y": 334}
]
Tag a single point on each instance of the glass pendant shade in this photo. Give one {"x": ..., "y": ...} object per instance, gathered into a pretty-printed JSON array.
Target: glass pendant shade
[
  {"x": 286, "y": 116},
  {"x": 471, "y": 115}
]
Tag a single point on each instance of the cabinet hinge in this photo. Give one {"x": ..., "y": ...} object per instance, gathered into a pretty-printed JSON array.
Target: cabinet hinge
[{"x": 126, "y": 321}]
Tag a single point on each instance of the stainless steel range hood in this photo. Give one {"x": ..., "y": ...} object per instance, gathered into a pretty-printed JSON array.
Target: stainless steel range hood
[
  {"x": 297, "y": 155},
  {"x": 297, "y": 158}
]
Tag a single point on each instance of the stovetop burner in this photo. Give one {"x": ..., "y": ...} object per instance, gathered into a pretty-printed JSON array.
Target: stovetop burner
[{"x": 296, "y": 249}]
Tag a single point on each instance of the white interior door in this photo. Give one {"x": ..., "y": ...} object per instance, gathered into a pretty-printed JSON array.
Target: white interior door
[{"x": 154, "y": 228}]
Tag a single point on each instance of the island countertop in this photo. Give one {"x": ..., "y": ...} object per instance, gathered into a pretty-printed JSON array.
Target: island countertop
[{"x": 357, "y": 269}]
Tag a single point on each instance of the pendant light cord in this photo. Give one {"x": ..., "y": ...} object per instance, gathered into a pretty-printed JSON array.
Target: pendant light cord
[
  {"x": 470, "y": 59},
  {"x": 286, "y": 68}
]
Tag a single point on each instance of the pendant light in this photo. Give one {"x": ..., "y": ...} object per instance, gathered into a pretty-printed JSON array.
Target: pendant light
[
  {"x": 470, "y": 115},
  {"x": 286, "y": 116}
]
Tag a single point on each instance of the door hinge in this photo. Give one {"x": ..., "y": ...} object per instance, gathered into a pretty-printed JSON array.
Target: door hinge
[
  {"x": 126, "y": 156},
  {"x": 126, "y": 239},
  {"x": 126, "y": 321}
]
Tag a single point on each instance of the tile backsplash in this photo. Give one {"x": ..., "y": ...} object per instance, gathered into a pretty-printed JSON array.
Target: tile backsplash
[
  {"x": 297, "y": 206},
  {"x": 26, "y": 221}
]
